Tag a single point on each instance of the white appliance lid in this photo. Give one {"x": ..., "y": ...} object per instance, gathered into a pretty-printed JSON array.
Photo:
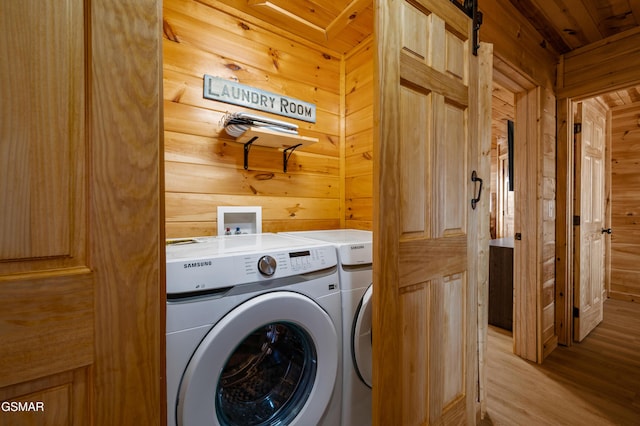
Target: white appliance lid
[{"x": 224, "y": 245}]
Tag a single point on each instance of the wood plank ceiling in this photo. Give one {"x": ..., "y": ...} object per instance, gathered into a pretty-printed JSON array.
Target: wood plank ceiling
[
  {"x": 340, "y": 25},
  {"x": 570, "y": 24}
]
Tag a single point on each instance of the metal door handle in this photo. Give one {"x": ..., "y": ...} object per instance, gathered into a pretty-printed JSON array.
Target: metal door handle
[
  {"x": 475, "y": 178},
  {"x": 607, "y": 230}
]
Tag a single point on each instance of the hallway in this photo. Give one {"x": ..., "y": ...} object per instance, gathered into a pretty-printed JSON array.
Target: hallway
[{"x": 596, "y": 382}]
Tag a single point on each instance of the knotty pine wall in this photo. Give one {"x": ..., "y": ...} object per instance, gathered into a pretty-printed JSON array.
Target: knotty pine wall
[
  {"x": 548, "y": 218},
  {"x": 204, "y": 166},
  {"x": 625, "y": 203},
  {"x": 359, "y": 137}
]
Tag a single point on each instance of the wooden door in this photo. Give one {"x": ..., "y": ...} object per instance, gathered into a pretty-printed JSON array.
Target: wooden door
[
  {"x": 81, "y": 229},
  {"x": 425, "y": 232},
  {"x": 589, "y": 246}
]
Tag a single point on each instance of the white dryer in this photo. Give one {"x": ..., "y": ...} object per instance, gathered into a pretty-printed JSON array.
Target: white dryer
[
  {"x": 253, "y": 332},
  {"x": 355, "y": 256}
]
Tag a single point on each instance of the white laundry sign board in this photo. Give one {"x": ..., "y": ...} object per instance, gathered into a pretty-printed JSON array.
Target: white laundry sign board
[
  {"x": 219, "y": 89},
  {"x": 242, "y": 219}
]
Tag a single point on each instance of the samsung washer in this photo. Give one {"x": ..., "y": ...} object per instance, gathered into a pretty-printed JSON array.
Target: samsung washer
[
  {"x": 253, "y": 332},
  {"x": 355, "y": 257}
]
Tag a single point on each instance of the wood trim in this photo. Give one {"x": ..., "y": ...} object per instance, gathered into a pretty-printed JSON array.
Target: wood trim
[
  {"x": 343, "y": 139},
  {"x": 608, "y": 206},
  {"x": 386, "y": 75},
  {"x": 526, "y": 299},
  {"x": 564, "y": 223},
  {"x": 345, "y": 18},
  {"x": 482, "y": 152},
  {"x": 127, "y": 239}
]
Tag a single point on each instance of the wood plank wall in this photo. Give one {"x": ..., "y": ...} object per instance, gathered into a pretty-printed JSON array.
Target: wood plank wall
[
  {"x": 359, "y": 137},
  {"x": 625, "y": 203},
  {"x": 204, "y": 166},
  {"x": 547, "y": 192},
  {"x": 601, "y": 67},
  {"x": 517, "y": 43}
]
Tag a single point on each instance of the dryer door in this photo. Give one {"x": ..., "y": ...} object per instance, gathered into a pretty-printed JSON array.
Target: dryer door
[
  {"x": 361, "y": 338},
  {"x": 271, "y": 360}
]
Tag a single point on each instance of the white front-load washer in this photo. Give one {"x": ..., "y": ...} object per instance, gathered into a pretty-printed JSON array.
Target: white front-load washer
[
  {"x": 253, "y": 332},
  {"x": 355, "y": 257}
]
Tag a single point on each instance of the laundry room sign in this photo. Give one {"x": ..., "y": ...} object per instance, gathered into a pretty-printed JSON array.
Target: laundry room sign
[{"x": 219, "y": 89}]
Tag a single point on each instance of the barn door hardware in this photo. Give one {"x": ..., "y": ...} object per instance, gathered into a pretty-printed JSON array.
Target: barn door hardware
[
  {"x": 470, "y": 8},
  {"x": 285, "y": 157},
  {"x": 475, "y": 178}
]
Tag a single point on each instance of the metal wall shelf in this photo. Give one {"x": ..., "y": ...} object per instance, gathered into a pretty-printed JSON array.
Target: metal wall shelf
[{"x": 272, "y": 139}]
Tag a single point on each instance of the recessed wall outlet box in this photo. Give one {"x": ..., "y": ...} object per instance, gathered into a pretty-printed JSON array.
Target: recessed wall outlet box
[{"x": 239, "y": 220}]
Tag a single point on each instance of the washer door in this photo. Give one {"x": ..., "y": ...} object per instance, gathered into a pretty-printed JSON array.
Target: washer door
[
  {"x": 361, "y": 339},
  {"x": 271, "y": 360}
]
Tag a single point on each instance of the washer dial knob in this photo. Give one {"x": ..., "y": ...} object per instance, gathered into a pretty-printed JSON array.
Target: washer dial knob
[{"x": 267, "y": 265}]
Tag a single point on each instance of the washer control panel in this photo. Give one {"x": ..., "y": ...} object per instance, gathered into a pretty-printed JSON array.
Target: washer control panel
[
  {"x": 207, "y": 273},
  {"x": 283, "y": 264}
]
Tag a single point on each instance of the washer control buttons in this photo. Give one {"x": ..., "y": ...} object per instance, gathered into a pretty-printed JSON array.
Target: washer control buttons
[{"x": 267, "y": 265}]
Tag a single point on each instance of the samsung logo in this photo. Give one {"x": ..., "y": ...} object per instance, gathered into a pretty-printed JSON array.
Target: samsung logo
[
  {"x": 357, "y": 247},
  {"x": 197, "y": 264}
]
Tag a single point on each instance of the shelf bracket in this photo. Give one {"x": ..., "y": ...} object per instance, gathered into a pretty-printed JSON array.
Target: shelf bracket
[
  {"x": 285, "y": 157},
  {"x": 247, "y": 147}
]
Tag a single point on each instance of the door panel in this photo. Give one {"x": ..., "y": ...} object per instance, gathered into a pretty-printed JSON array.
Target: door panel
[
  {"x": 82, "y": 227},
  {"x": 426, "y": 297},
  {"x": 42, "y": 135},
  {"x": 45, "y": 282},
  {"x": 589, "y": 206}
]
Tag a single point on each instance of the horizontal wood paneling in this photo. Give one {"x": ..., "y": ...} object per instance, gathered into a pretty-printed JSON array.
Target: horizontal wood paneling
[
  {"x": 516, "y": 42},
  {"x": 601, "y": 67},
  {"x": 359, "y": 137},
  {"x": 625, "y": 203},
  {"x": 204, "y": 165},
  {"x": 223, "y": 152}
]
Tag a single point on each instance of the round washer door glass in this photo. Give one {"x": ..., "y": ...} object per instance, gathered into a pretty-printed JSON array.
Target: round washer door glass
[
  {"x": 361, "y": 339},
  {"x": 268, "y": 377},
  {"x": 271, "y": 360}
]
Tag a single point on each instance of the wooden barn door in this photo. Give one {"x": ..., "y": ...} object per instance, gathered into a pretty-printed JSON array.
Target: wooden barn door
[
  {"x": 425, "y": 291},
  {"x": 589, "y": 247},
  {"x": 81, "y": 234}
]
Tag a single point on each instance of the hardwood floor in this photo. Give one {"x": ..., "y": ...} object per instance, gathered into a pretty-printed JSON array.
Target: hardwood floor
[{"x": 596, "y": 382}]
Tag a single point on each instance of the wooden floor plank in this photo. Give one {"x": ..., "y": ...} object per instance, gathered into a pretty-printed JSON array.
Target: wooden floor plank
[{"x": 596, "y": 382}]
